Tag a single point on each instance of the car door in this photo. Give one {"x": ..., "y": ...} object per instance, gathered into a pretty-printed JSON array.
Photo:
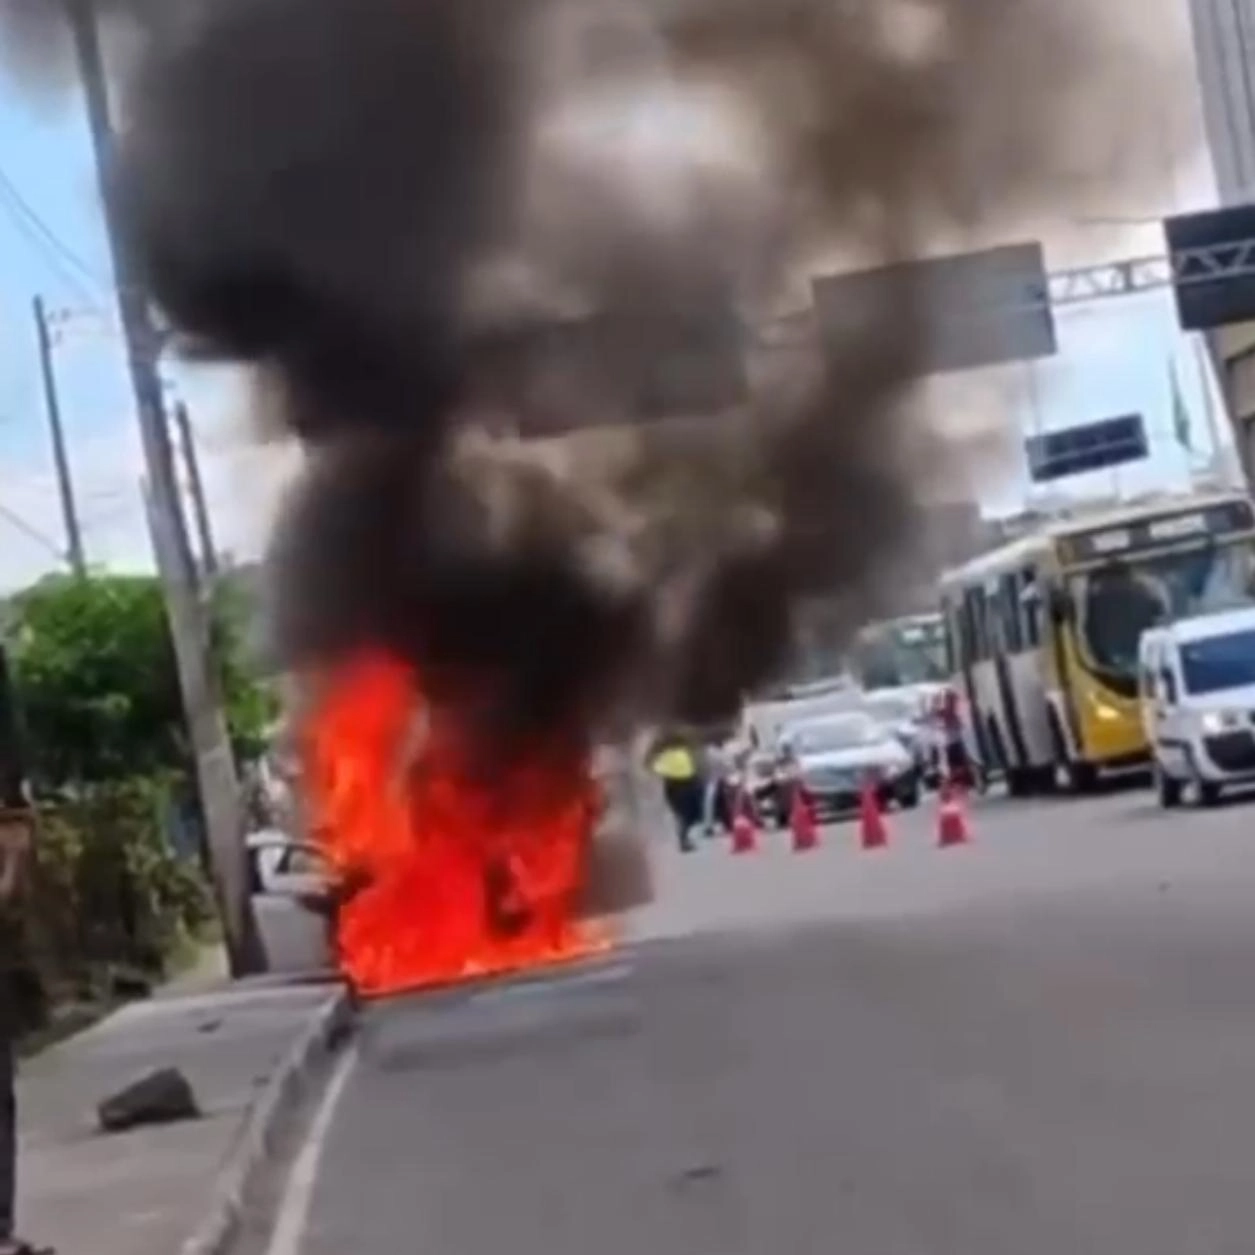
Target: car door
[{"x": 289, "y": 876}]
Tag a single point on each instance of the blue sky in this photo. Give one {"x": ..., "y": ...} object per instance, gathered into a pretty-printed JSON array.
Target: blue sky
[
  {"x": 52, "y": 245},
  {"x": 1114, "y": 358}
]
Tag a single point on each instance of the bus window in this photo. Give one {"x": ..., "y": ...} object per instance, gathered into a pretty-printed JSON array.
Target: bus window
[
  {"x": 973, "y": 625},
  {"x": 1008, "y": 606},
  {"x": 963, "y": 634},
  {"x": 950, "y": 639},
  {"x": 1030, "y": 600},
  {"x": 987, "y": 617}
]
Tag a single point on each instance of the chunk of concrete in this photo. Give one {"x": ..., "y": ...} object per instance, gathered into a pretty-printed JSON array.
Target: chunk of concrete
[{"x": 161, "y": 1096}]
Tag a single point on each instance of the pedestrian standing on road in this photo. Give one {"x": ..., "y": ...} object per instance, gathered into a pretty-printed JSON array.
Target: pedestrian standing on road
[
  {"x": 675, "y": 763},
  {"x": 16, "y": 826},
  {"x": 715, "y": 769},
  {"x": 957, "y": 763}
]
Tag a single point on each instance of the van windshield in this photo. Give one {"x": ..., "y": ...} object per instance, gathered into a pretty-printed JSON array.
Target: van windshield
[{"x": 1219, "y": 662}]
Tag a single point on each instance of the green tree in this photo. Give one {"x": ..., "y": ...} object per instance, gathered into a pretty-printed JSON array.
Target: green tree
[{"x": 95, "y": 670}]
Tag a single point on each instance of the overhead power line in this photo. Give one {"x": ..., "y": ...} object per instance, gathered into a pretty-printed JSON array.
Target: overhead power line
[
  {"x": 31, "y": 532},
  {"x": 44, "y": 240}
]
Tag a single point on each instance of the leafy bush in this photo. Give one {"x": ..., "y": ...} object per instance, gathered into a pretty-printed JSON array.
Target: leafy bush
[
  {"x": 108, "y": 756},
  {"x": 106, "y": 898},
  {"x": 95, "y": 670}
]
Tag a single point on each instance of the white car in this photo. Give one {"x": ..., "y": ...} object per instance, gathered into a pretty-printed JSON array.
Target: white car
[
  {"x": 838, "y": 755},
  {"x": 906, "y": 712},
  {"x": 763, "y": 722},
  {"x": 289, "y": 878},
  {"x": 1197, "y": 690}
]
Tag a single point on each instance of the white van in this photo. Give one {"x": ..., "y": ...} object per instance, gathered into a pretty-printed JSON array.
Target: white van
[{"x": 1197, "y": 689}]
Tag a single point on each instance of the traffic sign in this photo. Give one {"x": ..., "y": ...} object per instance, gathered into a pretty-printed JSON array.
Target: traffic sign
[
  {"x": 1099, "y": 446},
  {"x": 1213, "y": 266}
]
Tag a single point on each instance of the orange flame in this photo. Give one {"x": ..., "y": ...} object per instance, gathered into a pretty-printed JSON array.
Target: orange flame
[{"x": 462, "y": 874}]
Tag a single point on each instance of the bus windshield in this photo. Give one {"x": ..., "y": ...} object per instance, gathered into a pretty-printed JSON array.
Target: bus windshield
[
  {"x": 1115, "y": 604},
  {"x": 900, "y": 654}
]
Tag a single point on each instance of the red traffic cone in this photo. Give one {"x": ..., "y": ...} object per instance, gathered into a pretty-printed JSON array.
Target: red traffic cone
[
  {"x": 872, "y": 830},
  {"x": 744, "y": 825},
  {"x": 803, "y": 823},
  {"x": 952, "y": 827}
]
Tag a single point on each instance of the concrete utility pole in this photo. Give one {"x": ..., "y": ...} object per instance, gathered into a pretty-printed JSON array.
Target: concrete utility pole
[
  {"x": 196, "y": 490},
  {"x": 215, "y": 765},
  {"x": 52, "y": 402}
]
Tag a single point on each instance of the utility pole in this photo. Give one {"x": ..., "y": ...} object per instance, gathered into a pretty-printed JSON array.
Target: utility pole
[
  {"x": 52, "y": 402},
  {"x": 196, "y": 489},
  {"x": 215, "y": 764}
]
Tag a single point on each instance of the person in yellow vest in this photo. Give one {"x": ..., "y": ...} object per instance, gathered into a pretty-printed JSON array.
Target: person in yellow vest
[{"x": 676, "y": 764}]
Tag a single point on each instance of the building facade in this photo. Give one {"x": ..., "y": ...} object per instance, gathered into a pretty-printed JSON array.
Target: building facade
[{"x": 1224, "y": 47}]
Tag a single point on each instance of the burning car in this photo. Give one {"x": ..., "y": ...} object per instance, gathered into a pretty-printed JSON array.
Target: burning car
[{"x": 460, "y": 872}]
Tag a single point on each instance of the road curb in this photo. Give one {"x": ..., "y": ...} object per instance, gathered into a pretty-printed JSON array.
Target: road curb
[{"x": 258, "y": 1144}]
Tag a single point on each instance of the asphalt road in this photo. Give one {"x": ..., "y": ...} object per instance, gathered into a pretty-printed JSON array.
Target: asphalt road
[{"x": 1039, "y": 1044}]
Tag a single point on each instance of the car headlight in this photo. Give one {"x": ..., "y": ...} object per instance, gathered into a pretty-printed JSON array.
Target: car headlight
[{"x": 1214, "y": 721}]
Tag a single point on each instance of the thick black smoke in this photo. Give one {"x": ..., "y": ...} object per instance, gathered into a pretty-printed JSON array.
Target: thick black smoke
[{"x": 381, "y": 206}]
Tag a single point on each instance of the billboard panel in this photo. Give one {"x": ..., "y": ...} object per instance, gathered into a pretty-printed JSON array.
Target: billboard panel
[{"x": 976, "y": 309}]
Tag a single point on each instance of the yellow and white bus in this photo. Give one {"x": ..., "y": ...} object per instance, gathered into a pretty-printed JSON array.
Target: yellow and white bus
[{"x": 1043, "y": 632}]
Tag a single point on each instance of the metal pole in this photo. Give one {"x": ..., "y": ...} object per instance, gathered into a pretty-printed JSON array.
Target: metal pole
[
  {"x": 1210, "y": 417},
  {"x": 215, "y": 764},
  {"x": 196, "y": 488},
  {"x": 52, "y": 402}
]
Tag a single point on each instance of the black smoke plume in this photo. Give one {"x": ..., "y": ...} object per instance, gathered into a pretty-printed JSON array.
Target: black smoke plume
[{"x": 389, "y": 209}]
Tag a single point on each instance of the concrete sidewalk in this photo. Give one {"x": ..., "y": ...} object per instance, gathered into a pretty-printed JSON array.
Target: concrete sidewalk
[{"x": 247, "y": 1051}]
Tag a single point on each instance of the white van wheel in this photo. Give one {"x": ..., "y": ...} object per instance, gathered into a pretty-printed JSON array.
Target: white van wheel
[
  {"x": 1169, "y": 790},
  {"x": 1208, "y": 793}
]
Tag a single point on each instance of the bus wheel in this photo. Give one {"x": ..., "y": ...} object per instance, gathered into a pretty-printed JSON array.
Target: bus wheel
[
  {"x": 1208, "y": 793},
  {"x": 1021, "y": 783},
  {"x": 1041, "y": 781},
  {"x": 1078, "y": 776},
  {"x": 997, "y": 753},
  {"x": 1046, "y": 778}
]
